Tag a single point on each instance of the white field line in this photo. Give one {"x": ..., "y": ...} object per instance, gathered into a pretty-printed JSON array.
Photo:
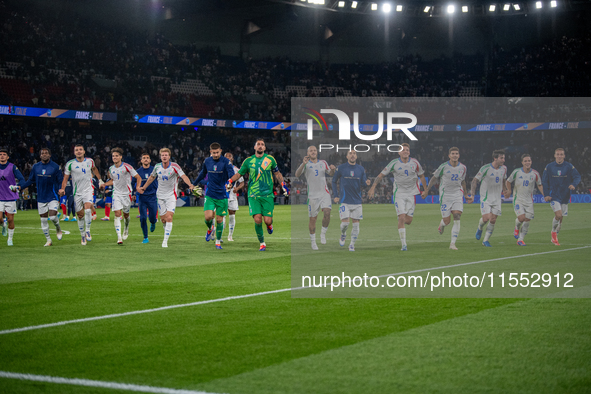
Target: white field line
[
  {"x": 96, "y": 383},
  {"x": 63, "y": 323}
]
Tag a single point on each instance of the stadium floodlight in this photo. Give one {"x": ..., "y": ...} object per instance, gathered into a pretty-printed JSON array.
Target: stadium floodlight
[
  {"x": 374, "y": 6},
  {"x": 464, "y": 8},
  {"x": 398, "y": 8},
  {"x": 553, "y": 4},
  {"x": 427, "y": 8},
  {"x": 386, "y": 7},
  {"x": 492, "y": 8},
  {"x": 341, "y": 4},
  {"x": 538, "y": 4},
  {"x": 516, "y": 7},
  {"x": 451, "y": 9},
  {"x": 354, "y": 5},
  {"x": 320, "y": 2},
  {"x": 506, "y": 7}
]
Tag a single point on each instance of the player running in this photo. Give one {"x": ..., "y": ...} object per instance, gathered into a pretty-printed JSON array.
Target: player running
[
  {"x": 81, "y": 169},
  {"x": 121, "y": 174},
  {"x": 217, "y": 169},
  {"x": 167, "y": 173},
  {"x": 406, "y": 171},
  {"x": 147, "y": 202},
  {"x": 9, "y": 174},
  {"x": 452, "y": 177},
  {"x": 260, "y": 168},
  {"x": 526, "y": 179},
  {"x": 233, "y": 199},
  {"x": 559, "y": 179},
  {"x": 352, "y": 177},
  {"x": 48, "y": 177},
  {"x": 493, "y": 178},
  {"x": 315, "y": 172}
]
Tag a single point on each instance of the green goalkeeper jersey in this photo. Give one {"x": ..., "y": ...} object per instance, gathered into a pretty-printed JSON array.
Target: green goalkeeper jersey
[{"x": 260, "y": 175}]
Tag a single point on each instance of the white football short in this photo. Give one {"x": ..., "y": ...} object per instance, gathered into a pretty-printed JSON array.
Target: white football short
[
  {"x": 81, "y": 199},
  {"x": 317, "y": 204},
  {"x": 166, "y": 205},
  {"x": 556, "y": 206},
  {"x": 121, "y": 203},
  {"x": 353, "y": 211},
  {"x": 44, "y": 207},
  {"x": 405, "y": 204},
  {"x": 233, "y": 205},
  {"x": 526, "y": 209},
  {"x": 448, "y": 204},
  {"x": 487, "y": 207},
  {"x": 8, "y": 207}
]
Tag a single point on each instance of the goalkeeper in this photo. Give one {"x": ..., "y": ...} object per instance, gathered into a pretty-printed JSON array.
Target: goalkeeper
[
  {"x": 217, "y": 169},
  {"x": 260, "y": 168}
]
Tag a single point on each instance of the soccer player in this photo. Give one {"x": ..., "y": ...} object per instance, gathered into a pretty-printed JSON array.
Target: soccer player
[
  {"x": 260, "y": 168},
  {"x": 559, "y": 179},
  {"x": 233, "y": 199},
  {"x": 147, "y": 202},
  {"x": 81, "y": 169},
  {"x": 315, "y": 172},
  {"x": 48, "y": 177},
  {"x": 167, "y": 173},
  {"x": 493, "y": 178},
  {"x": 121, "y": 174},
  {"x": 452, "y": 176},
  {"x": 352, "y": 177},
  {"x": 526, "y": 179},
  {"x": 406, "y": 185},
  {"x": 108, "y": 203},
  {"x": 217, "y": 169},
  {"x": 8, "y": 194}
]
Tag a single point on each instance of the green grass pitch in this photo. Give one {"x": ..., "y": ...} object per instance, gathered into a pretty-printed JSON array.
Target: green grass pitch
[{"x": 274, "y": 343}]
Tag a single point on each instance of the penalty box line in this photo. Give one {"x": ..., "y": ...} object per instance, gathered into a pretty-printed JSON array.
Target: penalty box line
[
  {"x": 114, "y": 315},
  {"x": 97, "y": 383}
]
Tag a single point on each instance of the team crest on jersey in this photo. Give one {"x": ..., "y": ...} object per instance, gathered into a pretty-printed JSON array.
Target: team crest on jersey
[
  {"x": 265, "y": 163},
  {"x": 559, "y": 172},
  {"x": 43, "y": 172},
  {"x": 215, "y": 167},
  {"x": 352, "y": 173}
]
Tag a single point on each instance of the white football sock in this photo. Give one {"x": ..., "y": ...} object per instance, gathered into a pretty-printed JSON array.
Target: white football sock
[
  {"x": 344, "y": 226},
  {"x": 554, "y": 225},
  {"x": 518, "y": 224},
  {"x": 10, "y": 233},
  {"x": 313, "y": 237},
  {"x": 442, "y": 223},
  {"x": 402, "y": 233},
  {"x": 481, "y": 224},
  {"x": 81, "y": 225},
  {"x": 354, "y": 233},
  {"x": 126, "y": 223},
  {"x": 167, "y": 231},
  {"x": 45, "y": 228},
  {"x": 455, "y": 231},
  {"x": 523, "y": 231},
  {"x": 489, "y": 231},
  {"x": 56, "y": 222},
  {"x": 323, "y": 231},
  {"x": 231, "y": 224},
  {"x": 117, "y": 223},
  {"x": 88, "y": 218}
]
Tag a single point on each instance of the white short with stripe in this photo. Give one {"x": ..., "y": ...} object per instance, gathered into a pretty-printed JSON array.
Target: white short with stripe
[
  {"x": 121, "y": 203},
  {"x": 233, "y": 205},
  {"x": 166, "y": 205},
  {"x": 44, "y": 207},
  {"x": 526, "y": 209},
  {"x": 317, "y": 204},
  {"x": 405, "y": 204},
  {"x": 451, "y": 204},
  {"x": 486, "y": 207},
  {"x": 353, "y": 211},
  {"x": 556, "y": 206},
  {"x": 8, "y": 207},
  {"x": 81, "y": 199}
]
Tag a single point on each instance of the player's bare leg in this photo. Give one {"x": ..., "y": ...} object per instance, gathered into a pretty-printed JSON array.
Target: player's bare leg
[
  {"x": 312, "y": 228},
  {"x": 455, "y": 230},
  {"x": 523, "y": 230},
  {"x": 556, "y": 224},
  {"x": 325, "y": 223}
]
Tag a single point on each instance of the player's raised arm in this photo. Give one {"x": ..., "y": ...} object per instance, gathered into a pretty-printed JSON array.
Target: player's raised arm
[{"x": 302, "y": 166}]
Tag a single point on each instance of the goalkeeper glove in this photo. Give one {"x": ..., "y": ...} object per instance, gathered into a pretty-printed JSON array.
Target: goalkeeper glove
[
  {"x": 285, "y": 189},
  {"x": 14, "y": 188}
]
